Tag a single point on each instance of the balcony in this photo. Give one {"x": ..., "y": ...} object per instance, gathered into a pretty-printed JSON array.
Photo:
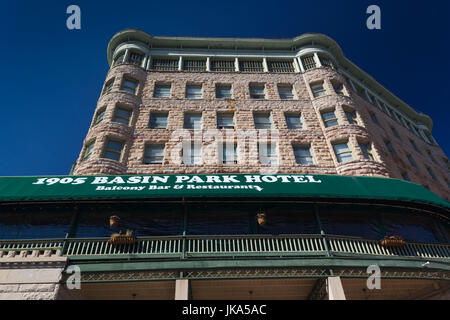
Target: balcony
[{"x": 227, "y": 247}]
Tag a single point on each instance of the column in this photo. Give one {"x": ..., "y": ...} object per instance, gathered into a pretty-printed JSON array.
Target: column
[
  {"x": 180, "y": 64},
  {"x": 297, "y": 68},
  {"x": 298, "y": 60},
  {"x": 182, "y": 289},
  {"x": 317, "y": 60},
  {"x": 208, "y": 64},
  {"x": 126, "y": 56},
  {"x": 265, "y": 66},
  {"x": 335, "y": 289},
  {"x": 149, "y": 62},
  {"x": 236, "y": 64},
  {"x": 144, "y": 61}
]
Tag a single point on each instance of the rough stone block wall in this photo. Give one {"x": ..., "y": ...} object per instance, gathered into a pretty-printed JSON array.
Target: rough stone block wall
[
  {"x": 30, "y": 276},
  {"x": 137, "y": 134}
]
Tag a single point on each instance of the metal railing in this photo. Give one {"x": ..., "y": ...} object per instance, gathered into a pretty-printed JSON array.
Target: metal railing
[{"x": 234, "y": 245}]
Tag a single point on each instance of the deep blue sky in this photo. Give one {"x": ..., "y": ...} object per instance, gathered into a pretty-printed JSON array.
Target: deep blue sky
[{"x": 51, "y": 77}]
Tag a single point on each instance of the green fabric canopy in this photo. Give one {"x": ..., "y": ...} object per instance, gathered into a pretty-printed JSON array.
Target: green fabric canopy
[{"x": 214, "y": 185}]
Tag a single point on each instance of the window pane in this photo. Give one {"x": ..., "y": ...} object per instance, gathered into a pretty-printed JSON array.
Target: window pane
[
  {"x": 229, "y": 155},
  {"x": 162, "y": 91},
  {"x": 294, "y": 121},
  {"x": 112, "y": 155},
  {"x": 303, "y": 155},
  {"x": 223, "y": 91},
  {"x": 100, "y": 117},
  {"x": 154, "y": 153},
  {"x": 285, "y": 92},
  {"x": 262, "y": 121},
  {"x": 114, "y": 145},
  {"x": 193, "y": 121},
  {"x": 158, "y": 120},
  {"x": 225, "y": 120},
  {"x": 351, "y": 117},
  {"x": 257, "y": 92},
  {"x": 194, "y": 92}
]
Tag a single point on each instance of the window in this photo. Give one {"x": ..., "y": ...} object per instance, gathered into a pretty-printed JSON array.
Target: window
[
  {"x": 390, "y": 147},
  {"x": 338, "y": 88},
  {"x": 193, "y": 155},
  {"x": 113, "y": 150},
  {"x": 257, "y": 92},
  {"x": 294, "y": 121},
  {"x": 229, "y": 154},
  {"x": 193, "y": 121},
  {"x": 223, "y": 91},
  {"x": 100, "y": 115},
  {"x": 158, "y": 120},
  {"x": 374, "y": 118},
  {"x": 154, "y": 154},
  {"x": 431, "y": 156},
  {"x": 225, "y": 120},
  {"x": 429, "y": 137},
  {"x": 414, "y": 146},
  {"x": 165, "y": 64},
  {"x": 135, "y": 58},
  {"x": 318, "y": 90},
  {"x": 361, "y": 91},
  {"x": 397, "y": 116},
  {"x": 222, "y": 65},
  {"x": 267, "y": 154},
  {"x": 251, "y": 66},
  {"x": 326, "y": 62},
  {"x": 343, "y": 153},
  {"x": 412, "y": 161},
  {"x": 119, "y": 59},
  {"x": 122, "y": 115},
  {"x": 366, "y": 150},
  {"x": 262, "y": 121},
  {"x": 308, "y": 62},
  {"x": 431, "y": 173},
  {"x": 285, "y": 92},
  {"x": 162, "y": 90},
  {"x": 394, "y": 131},
  {"x": 108, "y": 86},
  {"x": 88, "y": 151},
  {"x": 129, "y": 86},
  {"x": 194, "y": 91},
  {"x": 351, "y": 116},
  {"x": 280, "y": 66},
  {"x": 194, "y": 65},
  {"x": 329, "y": 119},
  {"x": 303, "y": 154},
  {"x": 372, "y": 98},
  {"x": 405, "y": 176}
]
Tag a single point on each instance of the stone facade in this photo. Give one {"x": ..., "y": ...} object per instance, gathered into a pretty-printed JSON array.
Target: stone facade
[
  {"x": 31, "y": 275},
  {"x": 137, "y": 134}
]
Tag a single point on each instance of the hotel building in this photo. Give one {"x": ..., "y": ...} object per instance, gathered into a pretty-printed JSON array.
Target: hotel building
[{"x": 246, "y": 169}]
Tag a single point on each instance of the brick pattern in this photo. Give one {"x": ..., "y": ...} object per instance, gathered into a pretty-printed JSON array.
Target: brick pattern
[{"x": 137, "y": 134}]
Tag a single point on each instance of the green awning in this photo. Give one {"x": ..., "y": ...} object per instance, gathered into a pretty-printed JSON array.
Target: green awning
[{"x": 219, "y": 185}]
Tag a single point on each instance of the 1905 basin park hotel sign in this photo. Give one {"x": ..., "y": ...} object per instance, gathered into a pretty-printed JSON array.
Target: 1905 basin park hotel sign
[
  {"x": 204, "y": 185},
  {"x": 177, "y": 185}
]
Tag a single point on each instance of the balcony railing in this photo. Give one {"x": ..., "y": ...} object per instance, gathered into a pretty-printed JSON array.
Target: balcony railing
[{"x": 227, "y": 246}]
